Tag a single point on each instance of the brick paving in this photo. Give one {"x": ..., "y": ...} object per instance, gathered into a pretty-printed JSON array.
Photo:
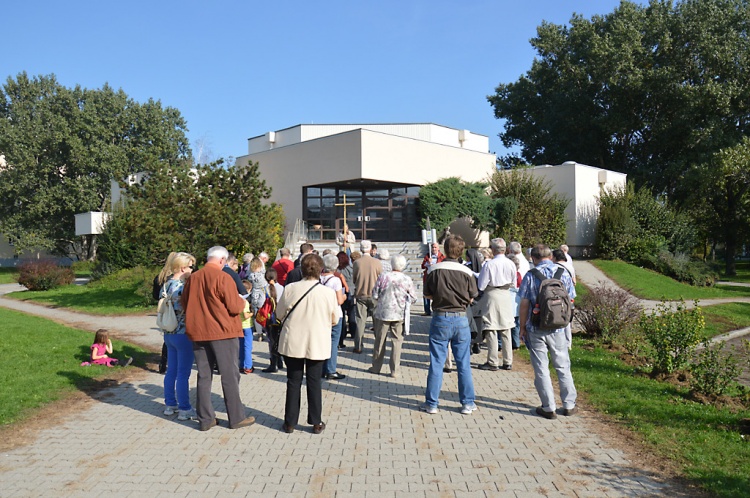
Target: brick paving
[{"x": 377, "y": 442}]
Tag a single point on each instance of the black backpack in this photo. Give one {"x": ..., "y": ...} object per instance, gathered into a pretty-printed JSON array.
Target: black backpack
[{"x": 553, "y": 308}]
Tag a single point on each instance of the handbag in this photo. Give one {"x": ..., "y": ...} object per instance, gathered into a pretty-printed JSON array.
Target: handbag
[{"x": 166, "y": 318}]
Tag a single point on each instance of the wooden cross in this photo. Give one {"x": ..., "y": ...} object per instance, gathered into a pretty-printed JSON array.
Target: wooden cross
[{"x": 345, "y": 223}]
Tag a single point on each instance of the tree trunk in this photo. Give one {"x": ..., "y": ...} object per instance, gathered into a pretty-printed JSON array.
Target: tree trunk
[{"x": 731, "y": 252}]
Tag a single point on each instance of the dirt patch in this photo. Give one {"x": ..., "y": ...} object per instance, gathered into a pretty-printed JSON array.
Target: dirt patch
[{"x": 25, "y": 431}]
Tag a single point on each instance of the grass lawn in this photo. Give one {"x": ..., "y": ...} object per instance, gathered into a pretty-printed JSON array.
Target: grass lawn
[
  {"x": 41, "y": 363},
  {"x": 8, "y": 275},
  {"x": 88, "y": 299},
  {"x": 743, "y": 273},
  {"x": 703, "y": 440},
  {"x": 647, "y": 284},
  {"x": 723, "y": 318}
]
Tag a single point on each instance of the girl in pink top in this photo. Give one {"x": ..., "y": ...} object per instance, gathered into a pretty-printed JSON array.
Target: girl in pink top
[{"x": 102, "y": 348}]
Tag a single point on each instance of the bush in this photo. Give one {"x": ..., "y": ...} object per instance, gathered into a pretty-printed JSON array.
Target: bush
[
  {"x": 714, "y": 371},
  {"x": 674, "y": 335},
  {"x": 44, "y": 275},
  {"x": 139, "y": 280},
  {"x": 682, "y": 268},
  {"x": 607, "y": 311}
]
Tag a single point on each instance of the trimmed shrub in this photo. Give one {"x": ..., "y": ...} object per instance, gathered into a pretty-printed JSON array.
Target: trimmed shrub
[
  {"x": 606, "y": 312},
  {"x": 674, "y": 335},
  {"x": 682, "y": 268},
  {"x": 714, "y": 371},
  {"x": 44, "y": 275},
  {"x": 139, "y": 280}
]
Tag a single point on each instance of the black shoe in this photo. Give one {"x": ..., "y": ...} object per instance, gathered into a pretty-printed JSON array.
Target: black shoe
[
  {"x": 569, "y": 412},
  {"x": 270, "y": 370},
  {"x": 447, "y": 370},
  {"x": 341, "y": 346},
  {"x": 475, "y": 348},
  {"x": 507, "y": 367},
  {"x": 335, "y": 376},
  {"x": 548, "y": 415},
  {"x": 287, "y": 428},
  {"x": 318, "y": 428},
  {"x": 487, "y": 366}
]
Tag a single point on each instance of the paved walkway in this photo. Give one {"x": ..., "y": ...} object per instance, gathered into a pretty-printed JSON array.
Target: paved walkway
[{"x": 377, "y": 443}]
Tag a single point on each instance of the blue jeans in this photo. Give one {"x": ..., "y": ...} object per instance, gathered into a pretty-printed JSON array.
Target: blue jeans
[
  {"x": 246, "y": 349},
  {"x": 539, "y": 344},
  {"x": 330, "y": 365},
  {"x": 454, "y": 331},
  {"x": 515, "y": 336},
  {"x": 179, "y": 365}
]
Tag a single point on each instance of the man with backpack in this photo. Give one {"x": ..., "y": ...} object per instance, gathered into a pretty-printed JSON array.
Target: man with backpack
[{"x": 546, "y": 295}]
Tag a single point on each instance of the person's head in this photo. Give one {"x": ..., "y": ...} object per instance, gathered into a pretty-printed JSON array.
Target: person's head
[
  {"x": 305, "y": 248},
  {"x": 330, "y": 263},
  {"x": 101, "y": 337},
  {"x": 312, "y": 266},
  {"x": 365, "y": 246},
  {"x": 343, "y": 260},
  {"x": 515, "y": 247},
  {"x": 486, "y": 253},
  {"x": 272, "y": 276},
  {"x": 454, "y": 246},
  {"x": 435, "y": 248},
  {"x": 384, "y": 255},
  {"x": 256, "y": 265},
  {"x": 374, "y": 250},
  {"x": 515, "y": 259},
  {"x": 398, "y": 262},
  {"x": 263, "y": 257},
  {"x": 167, "y": 270},
  {"x": 247, "y": 258},
  {"x": 248, "y": 285},
  {"x": 558, "y": 255},
  {"x": 218, "y": 255},
  {"x": 285, "y": 252},
  {"x": 355, "y": 256},
  {"x": 232, "y": 262},
  {"x": 346, "y": 228},
  {"x": 326, "y": 252},
  {"x": 182, "y": 262},
  {"x": 564, "y": 248},
  {"x": 498, "y": 246},
  {"x": 540, "y": 252}
]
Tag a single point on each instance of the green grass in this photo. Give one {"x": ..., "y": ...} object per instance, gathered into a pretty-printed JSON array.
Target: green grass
[
  {"x": 701, "y": 439},
  {"x": 723, "y": 318},
  {"x": 8, "y": 275},
  {"x": 743, "y": 273},
  {"x": 41, "y": 363},
  {"x": 647, "y": 284},
  {"x": 124, "y": 293}
]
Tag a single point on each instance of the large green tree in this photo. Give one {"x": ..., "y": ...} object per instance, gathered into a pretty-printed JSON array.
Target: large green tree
[
  {"x": 446, "y": 200},
  {"x": 653, "y": 91},
  {"x": 62, "y": 146},
  {"x": 181, "y": 207}
]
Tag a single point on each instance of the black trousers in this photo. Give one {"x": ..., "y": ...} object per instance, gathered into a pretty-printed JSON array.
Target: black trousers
[{"x": 295, "y": 368}]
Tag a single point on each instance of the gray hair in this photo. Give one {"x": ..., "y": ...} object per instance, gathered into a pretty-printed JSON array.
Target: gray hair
[
  {"x": 565, "y": 248},
  {"x": 217, "y": 252},
  {"x": 262, "y": 255},
  {"x": 247, "y": 258},
  {"x": 541, "y": 251},
  {"x": 515, "y": 247},
  {"x": 515, "y": 259},
  {"x": 398, "y": 262},
  {"x": 498, "y": 245},
  {"x": 384, "y": 254},
  {"x": 284, "y": 251},
  {"x": 330, "y": 263},
  {"x": 365, "y": 246}
]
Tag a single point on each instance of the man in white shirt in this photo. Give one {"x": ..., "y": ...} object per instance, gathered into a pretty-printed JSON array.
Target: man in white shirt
[{"x": 496, "y": 278}]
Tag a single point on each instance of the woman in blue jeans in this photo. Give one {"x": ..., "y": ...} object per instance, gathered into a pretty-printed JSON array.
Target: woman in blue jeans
[
  {"x": 180, "y": 349},
  {"x": 332, "y": 281}
]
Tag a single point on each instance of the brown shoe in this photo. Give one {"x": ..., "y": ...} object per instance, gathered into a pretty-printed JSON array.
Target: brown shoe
[
  {"x": 287, "y": 428},
  {"x": 244, "y": 423},
  {"x": 570, "y": 411},
  {"x": 548, "y": 415},
  {"x": 208, "y": 426},
  {"x": 318, "y": 428},
  {"x": 357, "y": 351}
]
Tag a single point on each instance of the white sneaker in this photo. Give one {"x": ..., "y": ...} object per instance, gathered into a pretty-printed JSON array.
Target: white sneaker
[
  {"x": 432, "y": 410},
  {"x": 467, "y": 409},
  {"x": 187, "y": 415},
  {"x": 170, "y": 410}
]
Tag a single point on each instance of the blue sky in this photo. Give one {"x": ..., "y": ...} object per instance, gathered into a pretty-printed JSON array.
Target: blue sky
[{"x": 239, "y": 69}]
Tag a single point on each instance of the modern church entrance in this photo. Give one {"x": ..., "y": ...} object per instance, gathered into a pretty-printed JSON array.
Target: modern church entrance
[{"x": 377, "y": 211}]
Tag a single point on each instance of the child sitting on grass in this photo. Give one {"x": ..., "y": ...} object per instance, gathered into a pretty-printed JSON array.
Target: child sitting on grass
[{"x": 102, "y": 348}]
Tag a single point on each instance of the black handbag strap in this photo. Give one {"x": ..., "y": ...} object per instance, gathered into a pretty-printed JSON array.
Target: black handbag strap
[{"x": 295, "y": 304}]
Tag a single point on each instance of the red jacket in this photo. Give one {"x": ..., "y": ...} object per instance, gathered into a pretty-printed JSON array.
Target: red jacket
[
  {"x": 426, "y": 262},
  {"x": 283, "y": 267}
]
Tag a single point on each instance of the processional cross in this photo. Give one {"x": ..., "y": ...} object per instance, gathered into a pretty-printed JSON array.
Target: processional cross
[{"x": 345, "y": 223}]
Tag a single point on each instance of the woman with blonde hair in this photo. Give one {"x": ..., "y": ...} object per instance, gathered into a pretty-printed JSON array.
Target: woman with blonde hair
[
  {"x": 159, "y": 280},
  {"x": 180, "y": 357}
]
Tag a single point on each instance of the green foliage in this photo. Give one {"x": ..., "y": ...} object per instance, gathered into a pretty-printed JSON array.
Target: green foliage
[
  {"x": 184, "y": 208},
  {"x": 534, "y": 213},
  {"x": 449, "y": 199},
  {"x": 673, "y": 334},
  {"x": 63, "y": 146},
  {"x": 653, "y": 90},
  {"x": 44, "y": 275},
  {"x": 607, "y": 312},
  {"x": 681, "y": 268},
  {"x": 714, "y": 371}
]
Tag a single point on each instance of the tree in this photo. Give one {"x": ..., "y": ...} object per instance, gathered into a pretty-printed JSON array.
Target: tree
[
  {"x": 526, "y": 208},
  {"x": 63, "y": 146},
  {"x": 181, "y": 207},
  {"x": 449, "y": 199},
  {"x": 653, "y": 91}
]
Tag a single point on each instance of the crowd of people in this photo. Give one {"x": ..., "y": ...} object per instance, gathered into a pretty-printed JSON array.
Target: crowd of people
[{"x": 306, "y": 308}]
